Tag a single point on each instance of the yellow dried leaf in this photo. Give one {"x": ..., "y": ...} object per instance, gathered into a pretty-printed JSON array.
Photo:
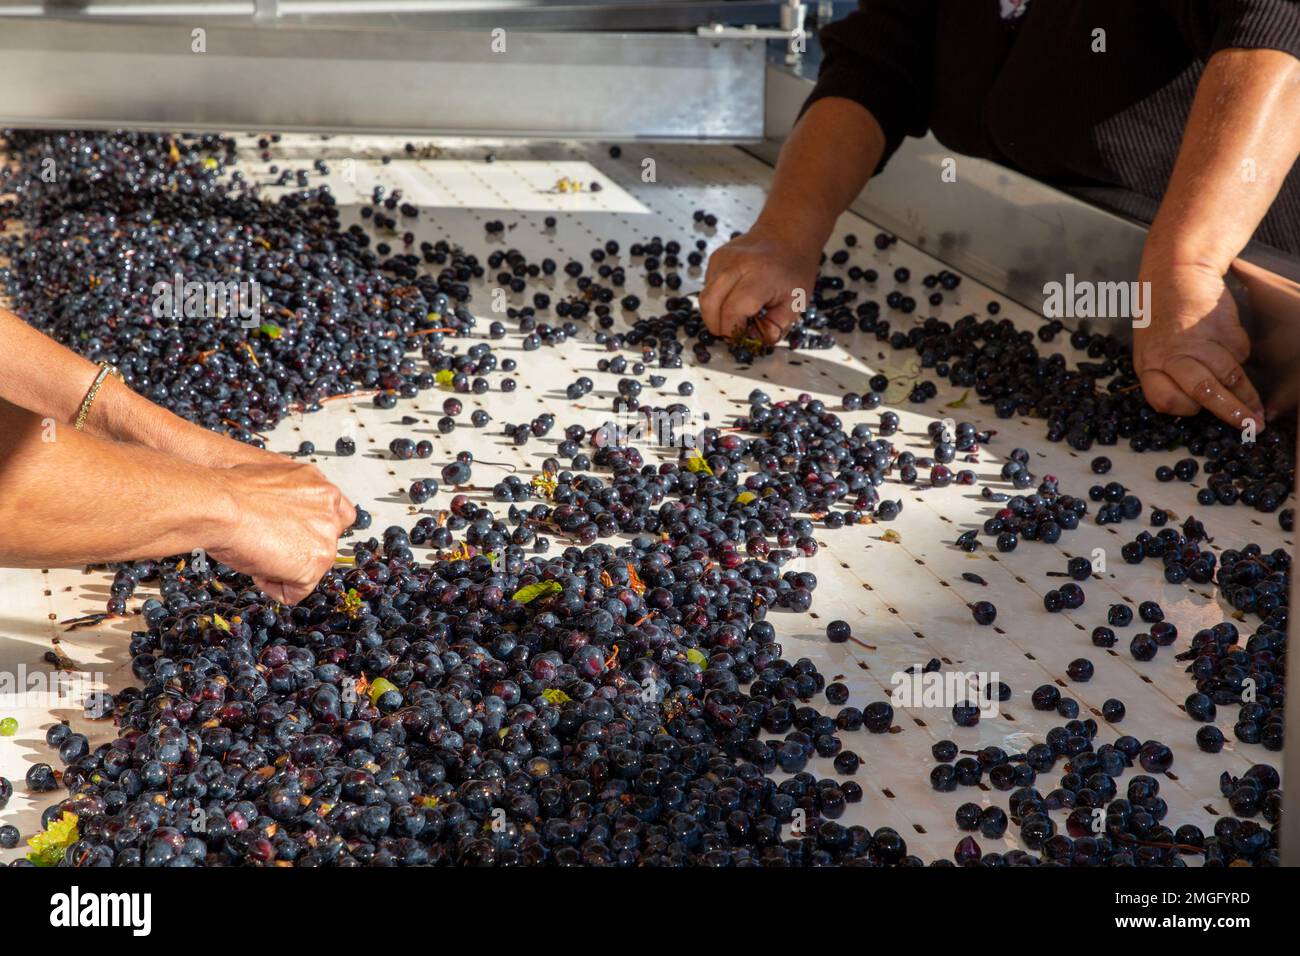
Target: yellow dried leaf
[
  {"x": 696, "y": 463},
  {"x": 49, "y": 846}
]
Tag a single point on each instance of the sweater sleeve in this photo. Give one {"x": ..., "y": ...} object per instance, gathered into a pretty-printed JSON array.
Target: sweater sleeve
[
  {"x": 1209, "y": 26},
  {"x": 882, "y": 56}
]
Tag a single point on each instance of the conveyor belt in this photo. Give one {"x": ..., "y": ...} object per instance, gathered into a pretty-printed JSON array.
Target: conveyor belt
[{"x": 906, "y": 599}]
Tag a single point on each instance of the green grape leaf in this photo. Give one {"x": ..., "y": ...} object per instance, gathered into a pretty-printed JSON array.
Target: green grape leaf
[{"x": 531, "y": 592}]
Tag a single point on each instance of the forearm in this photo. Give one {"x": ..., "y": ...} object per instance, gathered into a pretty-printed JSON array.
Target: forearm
[
  {"x": 68, "y": 498},
  {"x": 51, "y": 381},
  {"x": 39, "y": 374},
  {"x": 1241, "y": 140},
  {"x": 824, "y": 164}
]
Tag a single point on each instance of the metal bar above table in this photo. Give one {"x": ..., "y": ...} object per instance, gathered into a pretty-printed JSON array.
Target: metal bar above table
[{"x": 285, "y": 76}]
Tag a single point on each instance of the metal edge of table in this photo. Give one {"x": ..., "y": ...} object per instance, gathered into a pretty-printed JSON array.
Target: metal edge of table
[
  {"x": 1000, "y": 226},
  {"x": 145, "y": 74},
  {"x": 447, "y": 14}
]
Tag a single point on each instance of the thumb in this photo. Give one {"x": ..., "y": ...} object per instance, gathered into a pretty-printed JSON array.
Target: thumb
[
  {"x": 775, "y": 322},
  {"x": 346, "y": 513}
]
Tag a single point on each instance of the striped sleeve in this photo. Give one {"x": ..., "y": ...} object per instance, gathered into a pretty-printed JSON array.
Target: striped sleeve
[{"x": 1213, "y": 25}]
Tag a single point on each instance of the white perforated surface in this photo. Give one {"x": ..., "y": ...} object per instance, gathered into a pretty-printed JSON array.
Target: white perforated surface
[{"x": 906, "y": 599}]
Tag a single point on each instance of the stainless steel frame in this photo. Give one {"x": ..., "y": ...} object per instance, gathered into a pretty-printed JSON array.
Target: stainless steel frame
[
  {"x": 1005, "y": 229},
  {"x": 369, "y": 77},
  {"x": 431, "y": 14}
]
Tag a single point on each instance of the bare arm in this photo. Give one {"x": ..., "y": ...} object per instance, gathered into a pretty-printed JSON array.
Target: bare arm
[
  {"x": 824, "y": 164},
  {"x": 69, "y": 498},
  {"x": 44, "y": 377},
  {"x": 1241, "y": 140}
]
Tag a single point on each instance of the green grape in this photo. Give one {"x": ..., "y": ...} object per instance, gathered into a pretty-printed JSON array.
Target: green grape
[{"x": 8, "y": 727}]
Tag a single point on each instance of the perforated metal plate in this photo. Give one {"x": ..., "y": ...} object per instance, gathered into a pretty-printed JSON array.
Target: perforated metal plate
[{"x": 906, "y": 599}]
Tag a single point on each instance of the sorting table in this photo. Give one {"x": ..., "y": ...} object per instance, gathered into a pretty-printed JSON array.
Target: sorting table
[{"x": 903, "y": 593}]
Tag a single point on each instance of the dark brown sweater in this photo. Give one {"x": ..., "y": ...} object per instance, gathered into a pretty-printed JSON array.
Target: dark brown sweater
[{"x": 1028, "y": 90}]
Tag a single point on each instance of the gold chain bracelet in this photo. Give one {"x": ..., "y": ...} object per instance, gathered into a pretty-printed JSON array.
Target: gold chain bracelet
[{"x": 105, "y": 370}]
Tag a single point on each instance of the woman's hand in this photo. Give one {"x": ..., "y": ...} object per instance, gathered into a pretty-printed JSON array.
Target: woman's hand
[
  {"x": 1189, "y": 357},
  {"x": 284, "y": 526},
  {"x": 278, "y": 523},
  {"x": 763, "y": 269}
]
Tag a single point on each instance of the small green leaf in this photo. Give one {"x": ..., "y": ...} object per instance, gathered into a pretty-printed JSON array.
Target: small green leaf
[
  {"x": 270, "y": 330},
  {"x": 697, "y": 657},
  {"x": 531, "y": 592},
  {"x": 961, "y": 402},
  {"x": 554, "y": 695},
  {"x": 379, "y": 687},
  {"x": 745, "y": 497},
  {"x": 221, "y": 623},
  {"x": 444, "y": 378}
]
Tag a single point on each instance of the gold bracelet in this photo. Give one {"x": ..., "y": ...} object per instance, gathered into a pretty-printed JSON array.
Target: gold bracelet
[{"x": 105, "y": 370}]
